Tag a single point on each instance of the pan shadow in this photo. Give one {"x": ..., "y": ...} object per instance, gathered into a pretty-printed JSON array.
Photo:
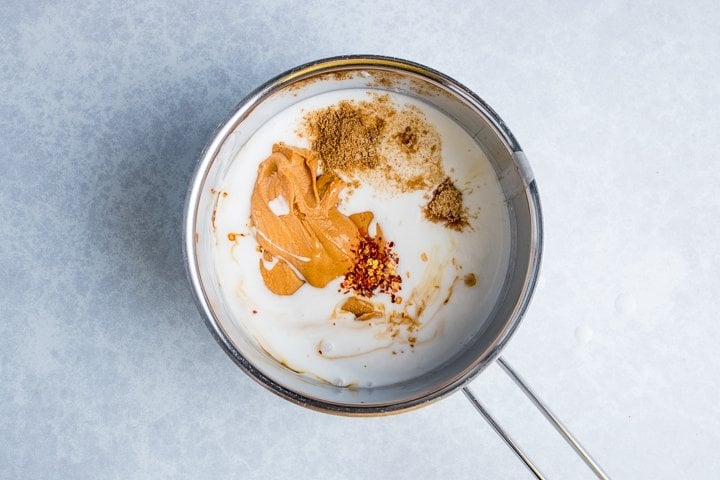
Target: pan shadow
[{"x": 151, "y": 148}]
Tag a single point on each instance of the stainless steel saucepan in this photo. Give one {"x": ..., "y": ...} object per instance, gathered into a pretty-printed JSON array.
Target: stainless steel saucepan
[{"x": 521, "y": 195}]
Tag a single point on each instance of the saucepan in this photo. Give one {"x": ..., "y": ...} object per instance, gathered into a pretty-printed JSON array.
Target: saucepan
[{"x": 526, "y": 240}]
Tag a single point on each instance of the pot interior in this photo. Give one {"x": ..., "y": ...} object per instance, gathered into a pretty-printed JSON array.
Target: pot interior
[{"x": 455, "y": 101}]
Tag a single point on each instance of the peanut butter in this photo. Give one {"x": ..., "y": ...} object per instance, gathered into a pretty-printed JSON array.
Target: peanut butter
[
  {"x": 362, "y": 309},
  {"x": 299, "y": 228}
]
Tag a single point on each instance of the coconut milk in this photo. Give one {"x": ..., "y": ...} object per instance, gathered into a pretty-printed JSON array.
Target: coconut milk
[{"x": 306, "y": 331}]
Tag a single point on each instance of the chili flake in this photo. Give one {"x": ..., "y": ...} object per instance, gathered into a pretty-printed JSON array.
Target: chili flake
[{"x": 374, "y": 269}]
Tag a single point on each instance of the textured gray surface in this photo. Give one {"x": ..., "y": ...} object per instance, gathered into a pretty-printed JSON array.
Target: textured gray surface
[{"x": 106, "y": 370}]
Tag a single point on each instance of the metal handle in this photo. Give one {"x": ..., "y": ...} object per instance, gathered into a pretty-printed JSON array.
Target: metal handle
[
  {"x": 503, "y": 434},
  {"x": 551, "y": 417}
]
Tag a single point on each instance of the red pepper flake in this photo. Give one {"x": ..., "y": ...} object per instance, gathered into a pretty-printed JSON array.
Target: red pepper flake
[{"x": 374, "y": 269}]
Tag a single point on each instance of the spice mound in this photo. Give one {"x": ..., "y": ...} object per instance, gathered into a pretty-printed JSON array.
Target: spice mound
[
  {"x": 346, "y": 136},
  {"x": 394, "y": 148},
  {"x": 446, "y": 206},
  {"x": 303, "y": 236},
  {"x": 374, "y": 268}
]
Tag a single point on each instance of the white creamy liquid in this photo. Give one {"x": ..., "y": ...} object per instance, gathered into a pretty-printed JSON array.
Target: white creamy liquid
[{"x": 306, "y": 331}]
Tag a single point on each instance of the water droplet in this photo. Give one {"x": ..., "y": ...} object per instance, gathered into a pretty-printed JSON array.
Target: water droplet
[
  {"x": 583, "y": 334},
  {"x": 625, "y": 304}
]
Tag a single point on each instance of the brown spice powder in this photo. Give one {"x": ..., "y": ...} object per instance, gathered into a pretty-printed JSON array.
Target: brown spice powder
[
  {"x": 394, "y": 149},
  {"x": 446, "y": 206},
  {"x": 346, "y": 137},
  {"x": 408, "y": 139}
]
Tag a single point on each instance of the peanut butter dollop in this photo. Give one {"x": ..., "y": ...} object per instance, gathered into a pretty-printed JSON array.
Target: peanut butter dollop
[{"x": 299, "y": 228}]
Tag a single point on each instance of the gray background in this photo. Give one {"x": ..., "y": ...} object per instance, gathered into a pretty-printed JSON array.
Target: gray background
[{"x": 107, "y": 371}]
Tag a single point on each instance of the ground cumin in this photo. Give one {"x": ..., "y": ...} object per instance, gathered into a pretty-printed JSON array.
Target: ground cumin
[
  {"x": 392, "y": 147},
  {"x": 446, "y": 206},
  {"x": 346, "y": 137}
]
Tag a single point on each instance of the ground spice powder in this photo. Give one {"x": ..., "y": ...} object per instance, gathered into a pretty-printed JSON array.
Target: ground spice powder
[
  {"x": 446, "y": 206},
  {"x": 392, "y": 147},
  {"x": 346, "y": 137}
]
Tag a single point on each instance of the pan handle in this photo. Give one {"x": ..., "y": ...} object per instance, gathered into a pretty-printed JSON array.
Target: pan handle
[{"x": 549, "y": 416}]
